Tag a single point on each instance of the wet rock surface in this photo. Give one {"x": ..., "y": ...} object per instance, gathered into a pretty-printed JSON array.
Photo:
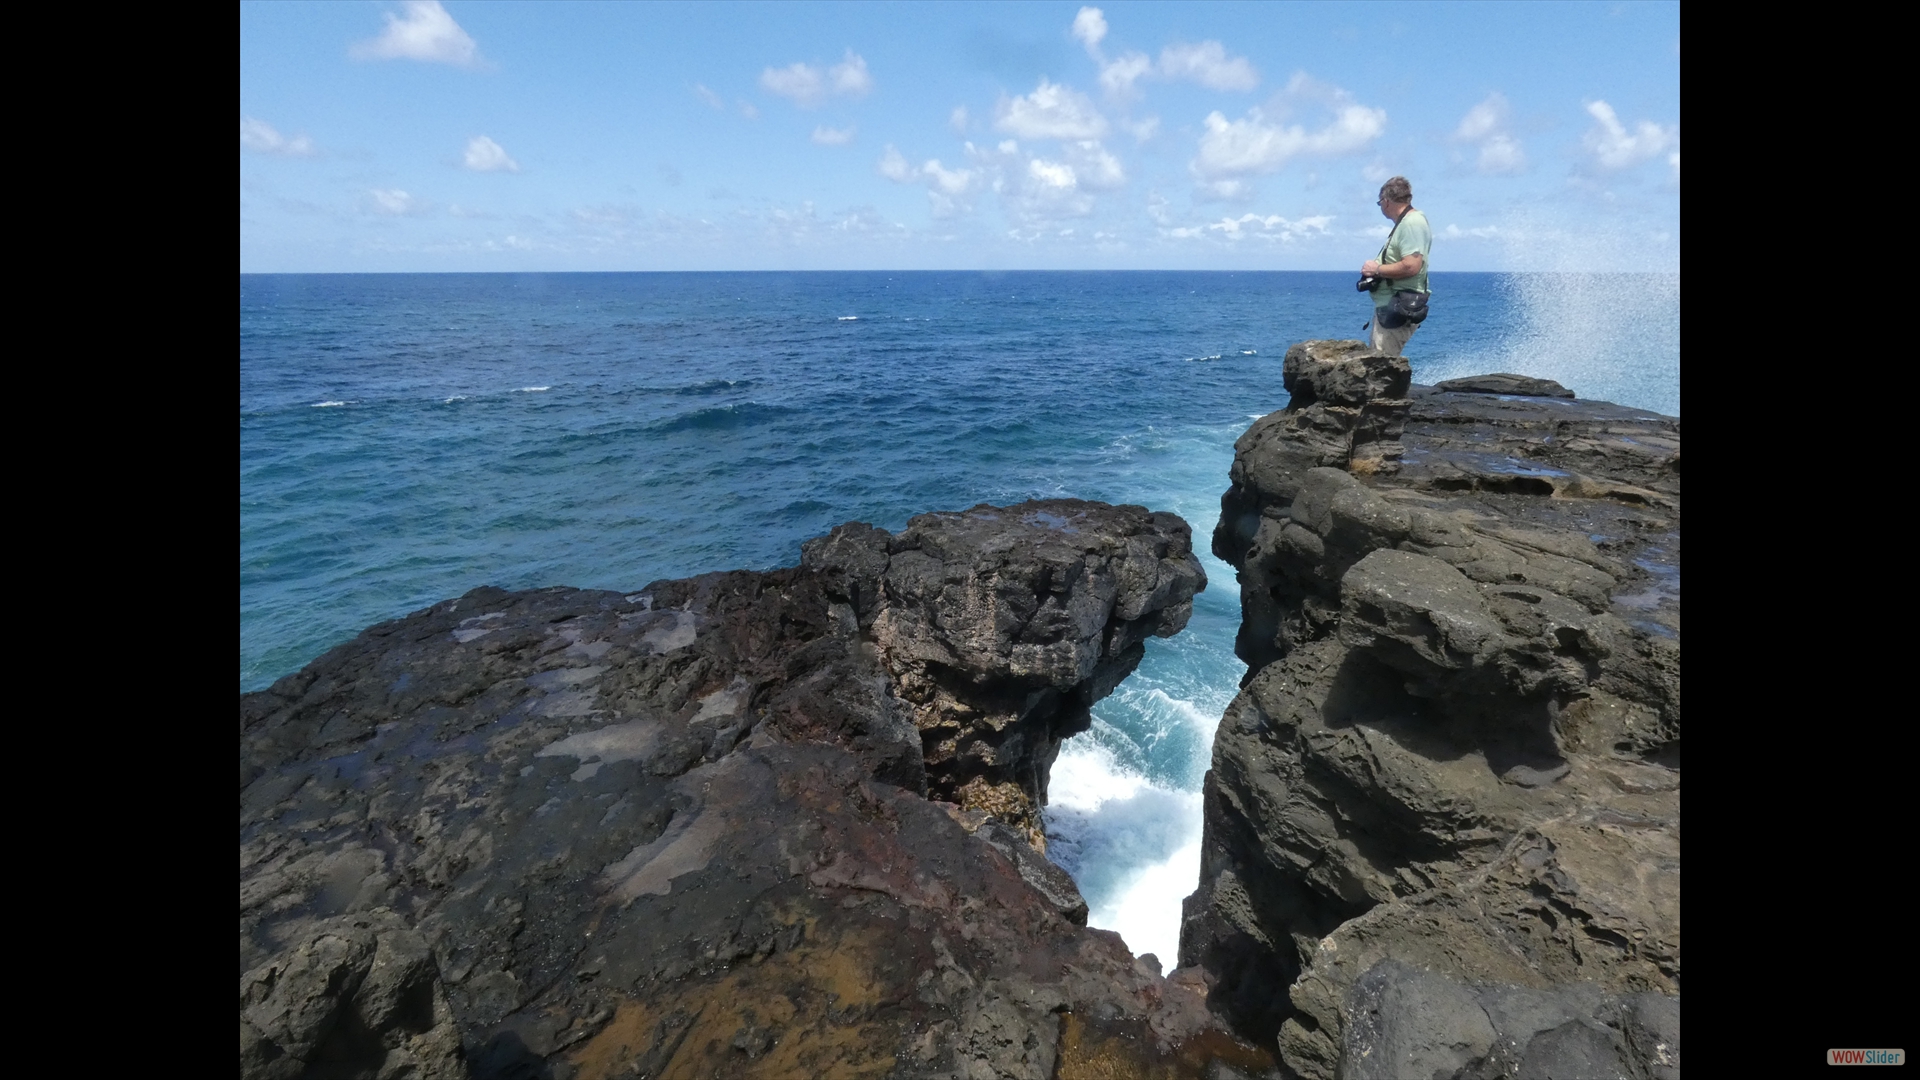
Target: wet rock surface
[
  {"x": 1504, "y": 383},
  {"x": 747, "y": 824},
  {"x": 1450, "y": 783}
]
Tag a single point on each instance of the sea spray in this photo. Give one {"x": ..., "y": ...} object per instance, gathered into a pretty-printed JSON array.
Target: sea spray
[
  {"x": 1597, "y": 310},
  {"x": 1610, "y": 337}
]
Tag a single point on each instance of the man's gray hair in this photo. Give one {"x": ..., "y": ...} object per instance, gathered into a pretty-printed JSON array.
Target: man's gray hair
[{"x": 1397, "y": 190}]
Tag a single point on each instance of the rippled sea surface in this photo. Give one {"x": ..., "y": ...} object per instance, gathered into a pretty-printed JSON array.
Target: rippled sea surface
[{"x": 404, "y": 438}]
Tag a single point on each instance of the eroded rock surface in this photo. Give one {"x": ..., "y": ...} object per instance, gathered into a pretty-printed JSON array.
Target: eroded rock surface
[
  {"x": 1451, "y": 778},
  {"x": 747, "y": 824}
]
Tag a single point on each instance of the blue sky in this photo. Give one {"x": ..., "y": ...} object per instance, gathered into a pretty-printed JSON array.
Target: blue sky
[{"x": 428, "y": 136}]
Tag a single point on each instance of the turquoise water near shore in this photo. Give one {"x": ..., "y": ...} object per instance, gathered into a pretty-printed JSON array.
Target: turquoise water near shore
[{"x": 404, "y": 438}]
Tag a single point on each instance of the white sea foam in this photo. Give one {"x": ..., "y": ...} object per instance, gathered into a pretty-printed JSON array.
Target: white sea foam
[
  {"x": 1146, "y": 914},
  {"x": 1087, "y": 775},
  {"x": 1132, "y": 845},
  {"x": 533, "y": 389},
  {"x": 1201, "y": 359},
  {"x": 456, "y": 397},
  {"x": 329, "y": 404},
  {"x": 848, "y": 318}
]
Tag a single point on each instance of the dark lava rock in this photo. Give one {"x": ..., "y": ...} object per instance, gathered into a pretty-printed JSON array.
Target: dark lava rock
[
  {"x": 1405, "y": 1021},
  {"x": 1457, "y": 746},
  {"x": 687, "y": 831},
  {"x": 1503, "y": 383},
  {"x": 1347, "y": 408}
]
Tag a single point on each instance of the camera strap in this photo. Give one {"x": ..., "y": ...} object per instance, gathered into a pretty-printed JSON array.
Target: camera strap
[{"x": 1396, "y": 228}]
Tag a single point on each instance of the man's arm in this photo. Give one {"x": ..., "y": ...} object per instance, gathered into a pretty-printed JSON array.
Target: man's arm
[{"x": 1405, "y": 268}]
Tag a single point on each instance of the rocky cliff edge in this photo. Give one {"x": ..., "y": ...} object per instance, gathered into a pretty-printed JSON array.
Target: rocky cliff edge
[
  {"x": 747, "y": 824},
  {"x": 1442, "y": 828}
]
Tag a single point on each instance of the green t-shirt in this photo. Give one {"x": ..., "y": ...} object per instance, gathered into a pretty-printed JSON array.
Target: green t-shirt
[{"x": 1413, "y": 237}]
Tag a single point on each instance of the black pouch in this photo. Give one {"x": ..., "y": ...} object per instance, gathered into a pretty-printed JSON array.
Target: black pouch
[{"x": 1409, "y": 307}]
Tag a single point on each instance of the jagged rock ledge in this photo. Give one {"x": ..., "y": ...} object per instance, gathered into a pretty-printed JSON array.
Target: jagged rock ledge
[
  {"x": 1443, "y": 819},
  {"x": 746, "y": 824}
]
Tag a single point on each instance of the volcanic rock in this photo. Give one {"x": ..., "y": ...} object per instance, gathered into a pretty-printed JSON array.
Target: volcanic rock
[
  {"x": 1504, "y": 383},
  {"x": 1450, "y": 783},
  {"x": 774, "y": 824}
]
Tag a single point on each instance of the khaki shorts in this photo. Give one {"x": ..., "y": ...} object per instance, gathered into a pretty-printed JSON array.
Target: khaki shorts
[{"x": 1390, "y": 341}]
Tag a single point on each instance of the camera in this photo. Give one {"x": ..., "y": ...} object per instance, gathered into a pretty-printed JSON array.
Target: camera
[{"x": 1367, "y": 284}]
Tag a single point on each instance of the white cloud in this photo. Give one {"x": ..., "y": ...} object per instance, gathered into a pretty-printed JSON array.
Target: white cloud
[
  {"x": 749, "y": 110},
  {"x": 958, "y": 120},
  {"x": 1226, "y": 190},
  {"x": 1481, "y": 232},
  {"x": 826, "y": 136},
  {"x": 1252, "y": 145},
  {"x": 1090, "y": 27},
  {"x": 803, "y": 83},
  {"x": 1614, "y": 147},
  {"x": 1095, "y": 167},
  {"x": 485, "y": 155},
  {"x": 1117, "y": 78},
  {"x": 712, "y": 99},
  {"x": 1052, "y": 111},
  {"x": 1231, "y": 149},
  {"x": 1486, "y": 125},
  {"x": 1487, "y": 118},
  {"x": 261, "y": 136},
  {"x": 1500, "y": 155},
  {"x": 426, "y": 33},
  {"x": 807, "y": 86},
  {"x": 1036, "y": 191},
  {"x": 850, "y": 76},
  {"x": 949, "y": 191},
  {"x": 1272, "y": 227},
  {"x": 1051, "y": 174},
  {"x": 1209, "y": 65},
  {"x": 950, "y": 181},
  {"x": 1206, "y": 63},
  {"x": 893, "y": 165},
  {"x": 393, "y": 202}
]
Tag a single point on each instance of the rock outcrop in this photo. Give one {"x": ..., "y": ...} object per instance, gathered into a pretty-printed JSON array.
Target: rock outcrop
[
  {"x": 768, "y": 824},
  {"x": 1442, "y": 823}
]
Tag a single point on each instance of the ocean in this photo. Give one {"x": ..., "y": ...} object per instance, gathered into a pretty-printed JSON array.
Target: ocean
[{"x": 405, "y": 438}]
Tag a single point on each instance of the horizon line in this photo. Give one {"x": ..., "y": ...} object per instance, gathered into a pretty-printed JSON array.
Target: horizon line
[{"x": 960, "y": 270}]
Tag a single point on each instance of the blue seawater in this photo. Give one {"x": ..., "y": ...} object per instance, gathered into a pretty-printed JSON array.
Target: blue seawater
[{"x": 404, "y": 438}]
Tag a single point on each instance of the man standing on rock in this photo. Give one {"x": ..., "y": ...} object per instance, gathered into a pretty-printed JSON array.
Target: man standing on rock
[{"x": 1400, "y": 269}]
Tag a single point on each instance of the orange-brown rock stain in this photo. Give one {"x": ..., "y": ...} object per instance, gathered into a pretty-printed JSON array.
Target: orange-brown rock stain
[
  {"x": 1086, "y": 1053},
  {"x": 818, "y": 1010}
]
